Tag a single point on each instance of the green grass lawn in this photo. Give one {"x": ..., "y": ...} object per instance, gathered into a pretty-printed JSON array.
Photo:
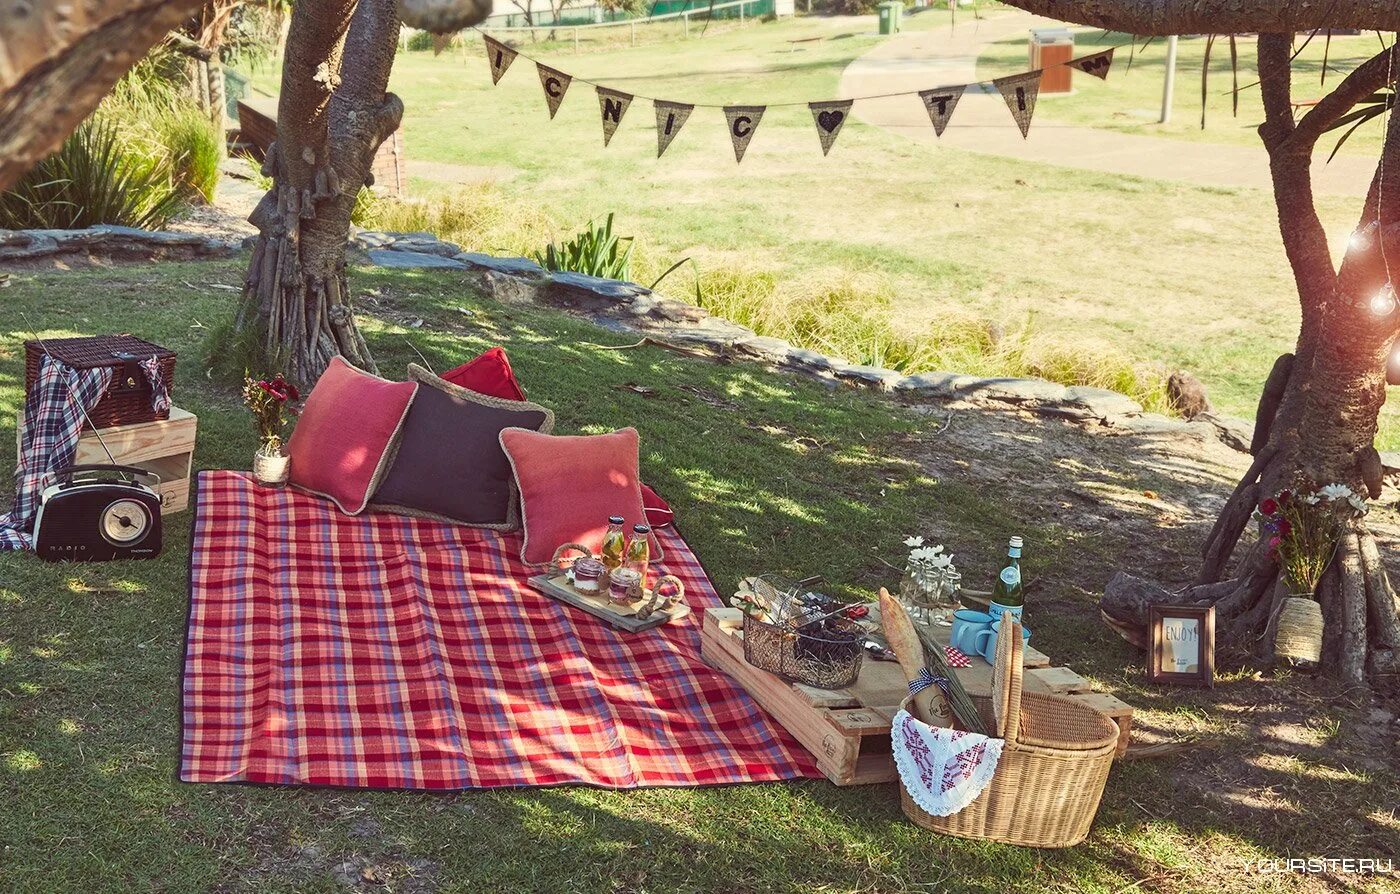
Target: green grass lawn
[
  {"x": 1159, "y": 274},
  {"x": 1130, "y": 100},
  {"x": 766, "y": 471}
]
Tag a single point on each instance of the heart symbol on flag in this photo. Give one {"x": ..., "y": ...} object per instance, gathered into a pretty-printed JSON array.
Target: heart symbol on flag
[{"x": 830, "y": 120}]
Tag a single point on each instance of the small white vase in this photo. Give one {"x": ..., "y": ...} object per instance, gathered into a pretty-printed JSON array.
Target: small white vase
[{"x": 271, "y": 467}]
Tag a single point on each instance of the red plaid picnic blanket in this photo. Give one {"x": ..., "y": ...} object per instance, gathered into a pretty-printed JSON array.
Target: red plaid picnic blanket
[{"x": 390, "y": 652}]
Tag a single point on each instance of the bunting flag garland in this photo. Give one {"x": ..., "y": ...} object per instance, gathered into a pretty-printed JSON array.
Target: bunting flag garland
[
  {"x": 1096, "y": 65},
  {"x": 440, "y": 43},
  {"x": 743, "y": 121},
  {"x": 500, "y": 56},
  {"x": 670, "y": 118},
  {"x": 613, "y": 104},
  {"x": 1020, "y": 92},
  {"x": 940, "y": 102},
  {"x": 555, "y": 84},
  {"x": 829, "y": 118}
]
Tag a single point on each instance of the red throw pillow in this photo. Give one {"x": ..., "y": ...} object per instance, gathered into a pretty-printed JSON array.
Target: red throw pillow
[
  {"x": 570, "y": 484},
  {"x": 347, "y": 433},
  {"x": 489, "y": 373}
]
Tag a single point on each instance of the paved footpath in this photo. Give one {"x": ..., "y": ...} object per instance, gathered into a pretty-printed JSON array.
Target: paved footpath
[{"x": 922, "y": 59}]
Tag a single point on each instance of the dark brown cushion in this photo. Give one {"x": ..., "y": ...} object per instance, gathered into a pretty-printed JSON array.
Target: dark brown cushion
[{"x": 450, "y": 464}]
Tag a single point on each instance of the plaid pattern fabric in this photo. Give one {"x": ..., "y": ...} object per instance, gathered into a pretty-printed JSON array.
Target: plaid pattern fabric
[
  {"x": 383, "y": 651},
  {"x": 48, "y": 438}
]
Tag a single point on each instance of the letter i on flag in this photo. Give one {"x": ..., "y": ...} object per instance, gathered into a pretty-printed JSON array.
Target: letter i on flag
[
  {"x": 940, "y": 103},
  {"x": 743, "y": 121},
  {"x": 829, "y": 117},
  {"x": 670, "y": 118},
  {"x": 555, "y": 84},
  {"x": 613, "y": 104},
  {"x": 500, "y": 56},
  {"x": 1020, "y": 92},
  {"x": 1096, "y": 65}
]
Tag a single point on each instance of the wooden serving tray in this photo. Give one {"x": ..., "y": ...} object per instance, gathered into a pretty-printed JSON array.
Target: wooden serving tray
[{"x": 557, "y": 586}]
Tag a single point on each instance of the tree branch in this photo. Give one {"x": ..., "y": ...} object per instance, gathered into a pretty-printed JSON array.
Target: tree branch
[
  {"x": 1364, "y": 80},
  {"x": 1163, "y": 18},
  {"x": 57, "y": 61},
  {"x": 1290, "y": 164}
]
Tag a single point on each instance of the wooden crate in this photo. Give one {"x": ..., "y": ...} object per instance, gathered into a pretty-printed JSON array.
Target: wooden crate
[
  {"x": 165, "y": 447},
  {"x": 848, "y": 730}
]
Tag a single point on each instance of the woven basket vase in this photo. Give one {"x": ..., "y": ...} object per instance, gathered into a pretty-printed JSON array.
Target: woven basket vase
[
  {"x": 1053, "y": 767},
  {"x": 1298, "y": 637}
]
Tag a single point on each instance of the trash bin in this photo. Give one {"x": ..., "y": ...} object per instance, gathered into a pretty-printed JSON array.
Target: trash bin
[
  {"x": 1050, "y": 50},
  {"x": 890, "y": 12}
]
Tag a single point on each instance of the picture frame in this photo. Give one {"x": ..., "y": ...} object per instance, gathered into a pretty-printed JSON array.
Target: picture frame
[{"x": 1182, "y": 645}]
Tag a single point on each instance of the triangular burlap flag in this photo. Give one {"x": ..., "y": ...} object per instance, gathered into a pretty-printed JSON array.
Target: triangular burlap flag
[
  {"x": 1096, "y": 65},
  {"x": 555, "y": 84},
  {"x": 743, "y": 121},
  {"x": 1020, "y": 92},
  {"x": 613, "y": 104},
  {"x": 440, "y": 43},
  {"x": 500, "y": 56},
  {"x": 940, "y": 102},
  {"x": 830, "y": 117},
  {"x": 670, "y": 118}
]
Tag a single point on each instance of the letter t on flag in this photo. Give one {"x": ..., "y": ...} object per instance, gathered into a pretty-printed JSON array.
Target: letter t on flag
[
  {"x": 500, "y": 56},
  {"x": 613, "y": 104},
  {"x": 940, "y": 103},
  {"x": 670, "y": 118}
]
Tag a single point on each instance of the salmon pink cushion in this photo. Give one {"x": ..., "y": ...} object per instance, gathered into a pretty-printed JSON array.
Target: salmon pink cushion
[
  {"x": 347, "y": 433},
  {"x": 489, "y": 374},
  {"x": 570, "y": 484}
]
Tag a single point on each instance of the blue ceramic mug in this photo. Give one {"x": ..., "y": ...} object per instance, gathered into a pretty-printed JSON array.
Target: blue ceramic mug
[
  {"x": 966, "y": 625},
  {"x": 986, "y": 641}
]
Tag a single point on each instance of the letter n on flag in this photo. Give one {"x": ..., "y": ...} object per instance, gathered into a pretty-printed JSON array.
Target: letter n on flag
[{"x": 613, "y": 104}]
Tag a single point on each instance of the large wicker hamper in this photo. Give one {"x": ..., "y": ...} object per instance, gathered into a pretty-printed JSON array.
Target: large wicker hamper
[
  {"x": 1053, "y": 767},
  {"x": 128, "y": 398}
]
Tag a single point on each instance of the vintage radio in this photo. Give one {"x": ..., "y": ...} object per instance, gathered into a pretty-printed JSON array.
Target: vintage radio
[{"x": 96, "y": 513}]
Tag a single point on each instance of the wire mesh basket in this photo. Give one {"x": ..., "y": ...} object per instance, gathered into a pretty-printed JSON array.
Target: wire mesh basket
[{"x": 827, "y": 660}]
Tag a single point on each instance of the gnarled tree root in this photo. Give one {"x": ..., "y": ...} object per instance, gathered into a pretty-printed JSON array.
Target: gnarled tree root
[{"x": 1359, "y": 607}]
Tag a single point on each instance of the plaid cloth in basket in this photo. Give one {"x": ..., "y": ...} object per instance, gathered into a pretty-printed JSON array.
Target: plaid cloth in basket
[
  {"x": 382, "y": 651},
  {"x": 48, "y": 438}
]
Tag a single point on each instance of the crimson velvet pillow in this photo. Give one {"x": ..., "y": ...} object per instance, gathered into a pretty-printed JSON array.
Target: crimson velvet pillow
[
  {"x": 450, "y": 465},
  {"x": 347, "y": 433},
  {"x": 570, "y": 484},
  {"x": 488, "y": 373}
]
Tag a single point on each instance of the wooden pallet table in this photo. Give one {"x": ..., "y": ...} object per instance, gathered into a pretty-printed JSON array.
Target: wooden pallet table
[
  {"x": 165, "y": 447},
  {"x": 848, "y": 730}
]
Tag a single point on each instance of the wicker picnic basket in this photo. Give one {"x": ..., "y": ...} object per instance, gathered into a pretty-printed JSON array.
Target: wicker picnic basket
[
  {"x": 1053, "y": 767},
  {"x": 128, "y": 398}
]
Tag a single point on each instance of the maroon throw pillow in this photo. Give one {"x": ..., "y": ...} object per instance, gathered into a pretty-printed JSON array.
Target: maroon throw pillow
[
  {"x": 450, "y": 465},
  {"x": 488, "y": 373},
  {"x": 346, "y": 434}
]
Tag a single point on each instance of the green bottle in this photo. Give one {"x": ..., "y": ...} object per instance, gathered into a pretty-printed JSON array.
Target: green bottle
[{"x": 1007, "y": 594}]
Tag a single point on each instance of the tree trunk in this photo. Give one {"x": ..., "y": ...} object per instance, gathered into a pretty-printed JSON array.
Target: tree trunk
[
  {"x": 331, "y": 119},
  {"x": 330, "y": 122},
  {"x": 57, "y": 61},
  {"x": 1317, "y": 417}
]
